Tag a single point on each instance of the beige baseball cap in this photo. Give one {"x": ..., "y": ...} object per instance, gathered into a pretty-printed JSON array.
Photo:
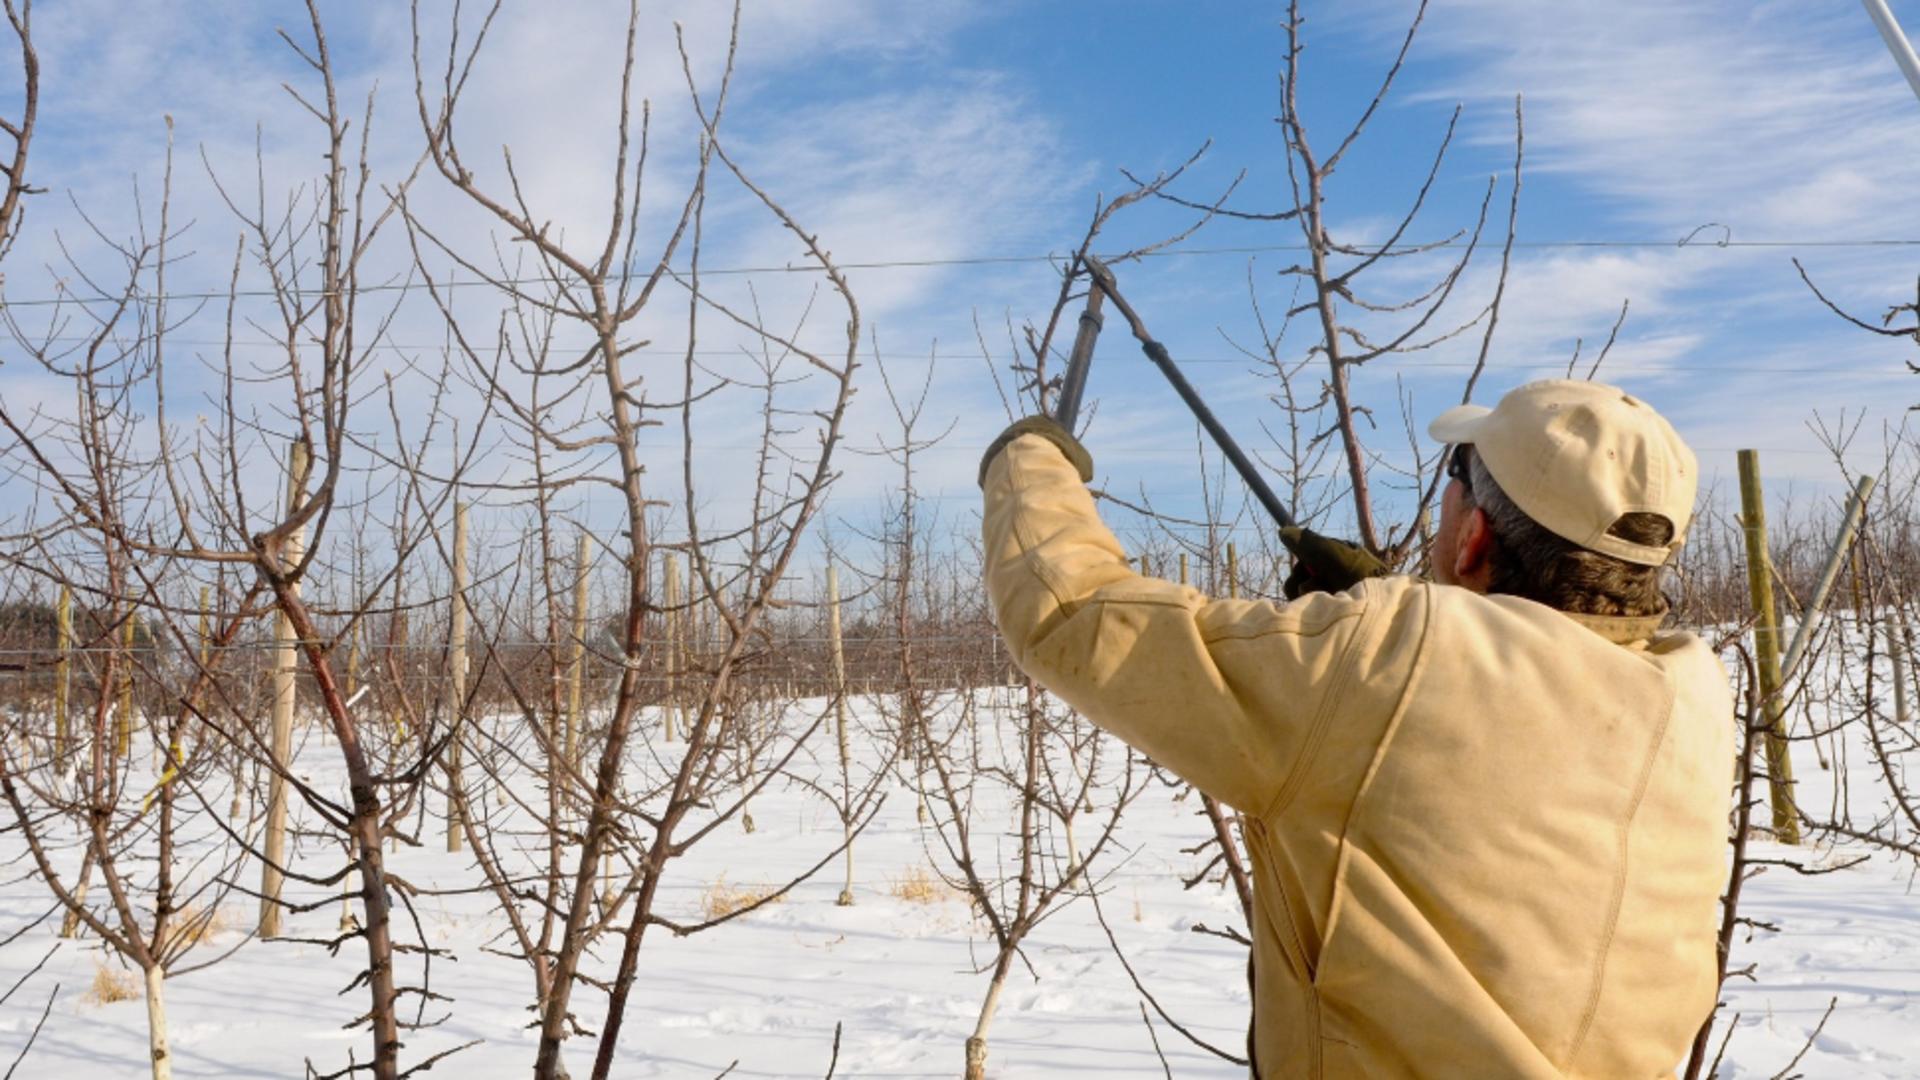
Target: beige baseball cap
[{"x": 1575, "y": 456}]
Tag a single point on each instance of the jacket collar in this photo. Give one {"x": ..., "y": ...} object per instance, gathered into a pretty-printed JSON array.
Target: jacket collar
[{"x": 1620, "y": 629}]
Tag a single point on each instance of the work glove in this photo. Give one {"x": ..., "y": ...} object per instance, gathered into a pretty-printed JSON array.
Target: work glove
[
  {"x": 1047, "y": 428},
  {"x": 1323, "y": 564}
]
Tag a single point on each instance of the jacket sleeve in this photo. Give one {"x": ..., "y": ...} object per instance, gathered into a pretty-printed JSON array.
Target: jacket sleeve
[{"x": 1230, "y": 694}]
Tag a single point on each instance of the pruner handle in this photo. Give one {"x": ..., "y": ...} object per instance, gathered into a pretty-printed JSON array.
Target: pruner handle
[
  {"x": 1073, "y": 386},
  {"x": 1103, "y": 281}
]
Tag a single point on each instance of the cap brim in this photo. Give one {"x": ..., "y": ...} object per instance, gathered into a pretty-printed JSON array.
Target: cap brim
[{"x": 1459, "y": 424}]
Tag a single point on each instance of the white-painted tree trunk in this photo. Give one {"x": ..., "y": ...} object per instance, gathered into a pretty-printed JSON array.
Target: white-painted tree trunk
[
  {"x": 157, "y": 1024},
  {"x": 977, "y": 1043},
  {"x": 1073, "y": 849}
]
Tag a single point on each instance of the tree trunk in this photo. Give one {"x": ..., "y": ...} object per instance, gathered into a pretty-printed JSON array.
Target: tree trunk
[
  {"x": 977, "y": 1042},
  {"x": 364, "y": 831},
  {"x": 157, "y": 1024}
]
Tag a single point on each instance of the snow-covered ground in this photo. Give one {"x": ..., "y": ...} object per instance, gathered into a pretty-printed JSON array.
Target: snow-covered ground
[{"x": 900, "y": 976}]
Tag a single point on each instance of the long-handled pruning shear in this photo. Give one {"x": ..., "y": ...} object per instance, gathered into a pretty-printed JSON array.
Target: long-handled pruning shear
[{"x": 1074, "y": 384}]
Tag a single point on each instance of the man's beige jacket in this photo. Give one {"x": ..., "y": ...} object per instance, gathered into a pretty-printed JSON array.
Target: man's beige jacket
[{"x": 1487, "y": 837}]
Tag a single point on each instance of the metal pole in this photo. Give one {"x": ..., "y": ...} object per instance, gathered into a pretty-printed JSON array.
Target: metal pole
[{"x": 1896, "y": 40}]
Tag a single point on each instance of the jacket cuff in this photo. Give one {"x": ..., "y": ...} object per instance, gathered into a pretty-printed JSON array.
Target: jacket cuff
[{"x": 1048, "y": 429}]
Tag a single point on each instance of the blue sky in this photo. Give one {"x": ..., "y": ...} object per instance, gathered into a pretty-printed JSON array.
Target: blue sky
[{"x": 938, "y": 133}]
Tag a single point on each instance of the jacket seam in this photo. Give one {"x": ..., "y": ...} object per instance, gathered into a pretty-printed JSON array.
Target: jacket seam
[
  {"x": 1306, "y": 974},
  {"x": 1380, "y": 750},
  {"x": 1344, "y": 855},
  {"x": 1323, "y": 715},
  {"x": 1299, "y": 631},
  {"x": 1620, "y": 879},
  {"x": 1316, "y": 732}
]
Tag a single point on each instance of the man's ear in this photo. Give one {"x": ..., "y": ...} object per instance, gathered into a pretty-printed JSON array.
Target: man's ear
[{"x": 1473, "y": 558}]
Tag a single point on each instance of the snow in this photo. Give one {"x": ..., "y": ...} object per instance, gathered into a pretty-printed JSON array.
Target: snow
[{"x": 902, "y": 978}]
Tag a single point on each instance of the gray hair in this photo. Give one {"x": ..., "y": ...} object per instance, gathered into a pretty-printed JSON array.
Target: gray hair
[{"x": 1534, "y": 563}]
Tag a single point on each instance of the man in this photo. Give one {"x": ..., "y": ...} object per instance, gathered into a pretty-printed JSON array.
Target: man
[{"x": 1486, "y": 813}]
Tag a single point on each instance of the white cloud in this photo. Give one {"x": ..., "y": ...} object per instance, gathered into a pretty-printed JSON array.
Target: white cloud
[
  {"x": 817, "y": 117},
  {"x": 1776, "y": 118}
]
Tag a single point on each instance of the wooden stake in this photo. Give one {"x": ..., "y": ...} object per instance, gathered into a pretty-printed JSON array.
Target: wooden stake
[
  {"x": 456, "y": 674},
  {"x": 353, "y": 662},
  {"x": 123, "y": 727},
  {"x": 577, "y": 662},
  {"x": 62, "y": 678},
  {"x": 840, "y": 718},
  {"x": 1766, "y": 642},
  {"x": 284, "y": 661},
  {"x": 206, "y": 626},
  {"x": 1233, "y": 572},
  {"x": 672, "y": 699},
  {"x": 1183, "y": 568}
]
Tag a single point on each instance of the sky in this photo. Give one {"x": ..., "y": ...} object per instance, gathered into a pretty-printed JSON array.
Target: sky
[{"x": 1678, "y": 157}]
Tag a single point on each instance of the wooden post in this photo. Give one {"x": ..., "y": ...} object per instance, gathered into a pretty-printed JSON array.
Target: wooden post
[
  {"x": 1859, "y": 603},
  {"x": 577, "y": 664},
  {"x": 62, "y": 678},
  {"x": 347, "y": 886},
  {"x": 206, "y": 626},
  {"x": 398, "y": 659},
  {"x": 1233, "y": 572},
  {"x": 1896, "y": 652},
  {"x": 1183, "y": 568},
  {"x": 1766, "y": 643},
  {"x": 284, "y": 660},
  {"x": 123, "y": 725},
  {"x": 232, "y": 752},
  {"x": 176, "y": 753},
  {"x": 1816, "y": 606},
  {"x": 70, "y": 924},
  {"x": 456, "y": 673},
  {"x": 353, "y": 661},
  {"x": 840, "y": 720},
  {"x": 672, "y": 699}
]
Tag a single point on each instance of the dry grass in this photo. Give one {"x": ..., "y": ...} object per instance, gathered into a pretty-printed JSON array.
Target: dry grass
[
  {"x": 722, "y": 899},
  {"x": 110, "y": 986},
  {"x": 917, "y": 886},
  {"x": 193, "y": 924}
]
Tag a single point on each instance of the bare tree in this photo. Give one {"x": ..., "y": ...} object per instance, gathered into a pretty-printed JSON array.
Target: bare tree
[
  {"x": 163, "y": 860},
  {"x": 650, "y": 816},
  {"x": 192, "y": 496},
  {"x": 20, "y": 130}
]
